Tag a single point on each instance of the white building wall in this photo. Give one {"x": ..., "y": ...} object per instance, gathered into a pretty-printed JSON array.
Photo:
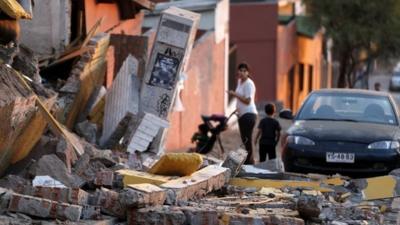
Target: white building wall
[{"x": 49, "y": 30}]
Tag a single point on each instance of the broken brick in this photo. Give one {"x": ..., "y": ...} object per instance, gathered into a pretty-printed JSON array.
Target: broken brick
[
  {"x": 44, "y": 208},
  {"x": 52, "y": 166},
  {"x": 196, "y": 185},
  {"x": 141, "y": 195},
  {"x": 235, "y": 160},
  {"x": 66, "y": 153},
  {"x": 67, "y": 195},
  {"x": 104, "y": 178},
  {"x": 90, "y": 212},
  {"x": 108, "y": 200}
]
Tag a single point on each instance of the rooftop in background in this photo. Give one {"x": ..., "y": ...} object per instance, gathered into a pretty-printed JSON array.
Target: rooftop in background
[
  {"x": 306, "y": 26},
  {"x": 192, "y": 5}
]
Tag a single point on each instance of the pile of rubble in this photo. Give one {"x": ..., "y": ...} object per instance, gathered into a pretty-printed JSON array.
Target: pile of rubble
[{"x": 101, "y": 187}]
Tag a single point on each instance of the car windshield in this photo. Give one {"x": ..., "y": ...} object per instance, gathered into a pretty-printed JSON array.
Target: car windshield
[{"x": 348, "y": 107}]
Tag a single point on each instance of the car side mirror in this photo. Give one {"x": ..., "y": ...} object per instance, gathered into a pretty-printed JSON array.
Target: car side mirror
[{"x": 286, "y": 114}]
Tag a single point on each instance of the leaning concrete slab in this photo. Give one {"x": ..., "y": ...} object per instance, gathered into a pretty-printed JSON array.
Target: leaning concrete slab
[
  {"x": 171, "y": 49},
  {"x": 196, "y": 185},
  {"x": 122, "y": 98},
  {"x": 173, "y": 41}
]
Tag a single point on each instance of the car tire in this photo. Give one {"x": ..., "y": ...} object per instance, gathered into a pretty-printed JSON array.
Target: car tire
[{"x": 289, "y": 167}]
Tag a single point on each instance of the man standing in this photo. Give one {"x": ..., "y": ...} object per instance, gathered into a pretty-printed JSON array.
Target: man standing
[{"x": 246, "y": 108}]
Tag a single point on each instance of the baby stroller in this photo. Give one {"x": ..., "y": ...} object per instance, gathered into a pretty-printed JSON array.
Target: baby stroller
[{"x": 205, "y": 143}]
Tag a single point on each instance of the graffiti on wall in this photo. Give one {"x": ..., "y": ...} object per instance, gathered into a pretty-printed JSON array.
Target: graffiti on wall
[{"x": 163, "y": 104}]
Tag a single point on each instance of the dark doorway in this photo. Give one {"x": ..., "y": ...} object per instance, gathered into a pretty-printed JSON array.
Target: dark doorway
[{"x": 290, "y": 88}]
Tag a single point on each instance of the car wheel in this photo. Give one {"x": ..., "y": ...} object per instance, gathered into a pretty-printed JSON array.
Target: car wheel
[{"x": 289, "y": 167}]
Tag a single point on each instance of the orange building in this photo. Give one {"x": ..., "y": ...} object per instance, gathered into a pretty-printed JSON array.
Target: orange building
[{"x": 284, "y": 50}]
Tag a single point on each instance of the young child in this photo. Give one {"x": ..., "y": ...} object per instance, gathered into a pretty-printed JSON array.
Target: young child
[{"x": 269, "y": 129}]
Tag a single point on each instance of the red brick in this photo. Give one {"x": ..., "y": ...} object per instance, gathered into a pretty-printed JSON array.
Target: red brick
[
  {"x": 104, "y": 178},
  {"x": 67, "y": 195},
  {"x": 108, "y": 200},
  {"x": 142, "y": 195},
  {"x": 44, "y": 208}
]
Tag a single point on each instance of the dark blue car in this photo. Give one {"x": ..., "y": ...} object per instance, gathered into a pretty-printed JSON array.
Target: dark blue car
[{"x": 344, "y": 131}]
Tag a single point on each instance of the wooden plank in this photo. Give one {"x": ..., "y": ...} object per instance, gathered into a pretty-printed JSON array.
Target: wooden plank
[
  {"x": 73, "y": 54},
  {"x": 56, "y": 127},
  {"x": 32, "y": 133},
  {"x": 97, "y": 113},
  {"x": 13, "y": 9},
  {"x": 89, "y": 72},
  {"x": 17, "y": 106}
]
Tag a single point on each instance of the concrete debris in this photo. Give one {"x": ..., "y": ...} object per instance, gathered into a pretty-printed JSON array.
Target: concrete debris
[
  {"x": 47, "y": 181},
  {"x": 142, "y": 131},
  {"x": 197, "y": 185},
  {"x": 235, "y": 160},
  {"x": 87, "y": 130},
  {"x": 52, "y": 166}
]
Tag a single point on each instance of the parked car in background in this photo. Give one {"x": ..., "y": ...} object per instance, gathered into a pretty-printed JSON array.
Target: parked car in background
[
  {"x": 346, "y": 131},
  {"x": 394, "y": 84}
]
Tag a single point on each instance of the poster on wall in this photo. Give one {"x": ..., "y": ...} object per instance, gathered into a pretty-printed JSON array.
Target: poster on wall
[{"x": 164, "y": 72}]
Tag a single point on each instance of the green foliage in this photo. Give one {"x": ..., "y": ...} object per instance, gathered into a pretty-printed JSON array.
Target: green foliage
[{"x": 355, "y": 26}]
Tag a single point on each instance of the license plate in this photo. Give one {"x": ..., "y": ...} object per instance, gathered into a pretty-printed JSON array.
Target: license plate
[{"x": 338, "y": 157}]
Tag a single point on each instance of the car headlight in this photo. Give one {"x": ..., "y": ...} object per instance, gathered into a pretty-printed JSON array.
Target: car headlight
[
  {"x": 384, "y": 145},
  {"x": 299, "y": 140}
]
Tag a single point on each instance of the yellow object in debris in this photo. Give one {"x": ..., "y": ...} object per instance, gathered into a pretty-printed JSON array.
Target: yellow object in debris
[
  {"x": 337, "y": 181},
  {"x": 379, "y": 187},
  {"x": 136, "y": 177},
  {"x": 13, "y": 9},
  {"x": 177, "y": 164},
  {"x": 275, "y": 192},
  {"x": 260, "y": 183}
]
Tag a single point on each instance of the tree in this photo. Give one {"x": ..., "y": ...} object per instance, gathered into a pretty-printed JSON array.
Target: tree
[{"x": 361, "y": 31}]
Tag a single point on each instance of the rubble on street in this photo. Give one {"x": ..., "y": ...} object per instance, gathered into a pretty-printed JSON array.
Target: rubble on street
[{"x": 74, "y": 154}]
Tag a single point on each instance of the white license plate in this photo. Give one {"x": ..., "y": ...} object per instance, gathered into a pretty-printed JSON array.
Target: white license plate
[{"x": 338, "y": 157}]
